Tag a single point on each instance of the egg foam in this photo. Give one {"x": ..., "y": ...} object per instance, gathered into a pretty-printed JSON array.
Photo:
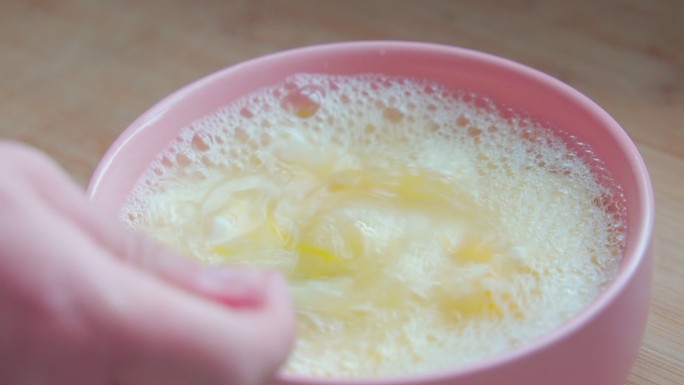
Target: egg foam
[{"x": 420, "y": 227}]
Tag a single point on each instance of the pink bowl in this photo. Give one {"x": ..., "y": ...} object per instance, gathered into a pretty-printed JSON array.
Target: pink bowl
[{"x": 596, "y": 347}]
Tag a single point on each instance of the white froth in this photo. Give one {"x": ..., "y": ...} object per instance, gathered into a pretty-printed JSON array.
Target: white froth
[{"x": 419, "y": 227}]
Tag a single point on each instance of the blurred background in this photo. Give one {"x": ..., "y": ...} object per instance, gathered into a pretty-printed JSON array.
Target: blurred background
[{"x": 75, "y": 73}]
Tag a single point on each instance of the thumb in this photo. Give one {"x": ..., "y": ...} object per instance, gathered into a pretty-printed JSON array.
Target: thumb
[
  {"x": 161, "y": 333},
  {"x": 174, "y": 321}
]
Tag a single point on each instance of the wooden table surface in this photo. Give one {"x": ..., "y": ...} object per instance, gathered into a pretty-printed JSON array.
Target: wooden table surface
[{"x": 75, "y": 73}]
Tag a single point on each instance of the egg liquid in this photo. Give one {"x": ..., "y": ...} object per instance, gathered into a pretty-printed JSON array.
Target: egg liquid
[{"x": 420, "y": 227}]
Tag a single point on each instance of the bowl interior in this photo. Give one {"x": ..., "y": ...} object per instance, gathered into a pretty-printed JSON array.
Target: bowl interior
[{"x": 505, "y": 82}]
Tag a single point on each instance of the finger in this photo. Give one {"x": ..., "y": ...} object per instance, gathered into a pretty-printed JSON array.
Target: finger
[
  {"x": 43, "y": 178},
  {"x": 199, "y": 341},
  {"x": 38, "y": 175}
]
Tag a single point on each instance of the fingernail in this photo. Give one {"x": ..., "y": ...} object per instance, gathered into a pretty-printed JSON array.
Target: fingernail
[{"x": 235, "y": 287}]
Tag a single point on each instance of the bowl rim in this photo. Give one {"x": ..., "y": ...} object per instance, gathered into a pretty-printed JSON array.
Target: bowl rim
[{"x": 645, "y": 197}]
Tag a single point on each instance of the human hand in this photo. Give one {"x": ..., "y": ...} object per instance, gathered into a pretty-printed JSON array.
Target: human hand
[{"x": 84, "y": 300}]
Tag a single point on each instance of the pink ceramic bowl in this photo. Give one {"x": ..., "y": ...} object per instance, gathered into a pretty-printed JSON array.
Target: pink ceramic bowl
[{"x": 596, "y": 347}]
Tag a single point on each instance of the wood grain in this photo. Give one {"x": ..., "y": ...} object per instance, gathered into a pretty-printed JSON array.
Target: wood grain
[{"x": 74, "y": 73}]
